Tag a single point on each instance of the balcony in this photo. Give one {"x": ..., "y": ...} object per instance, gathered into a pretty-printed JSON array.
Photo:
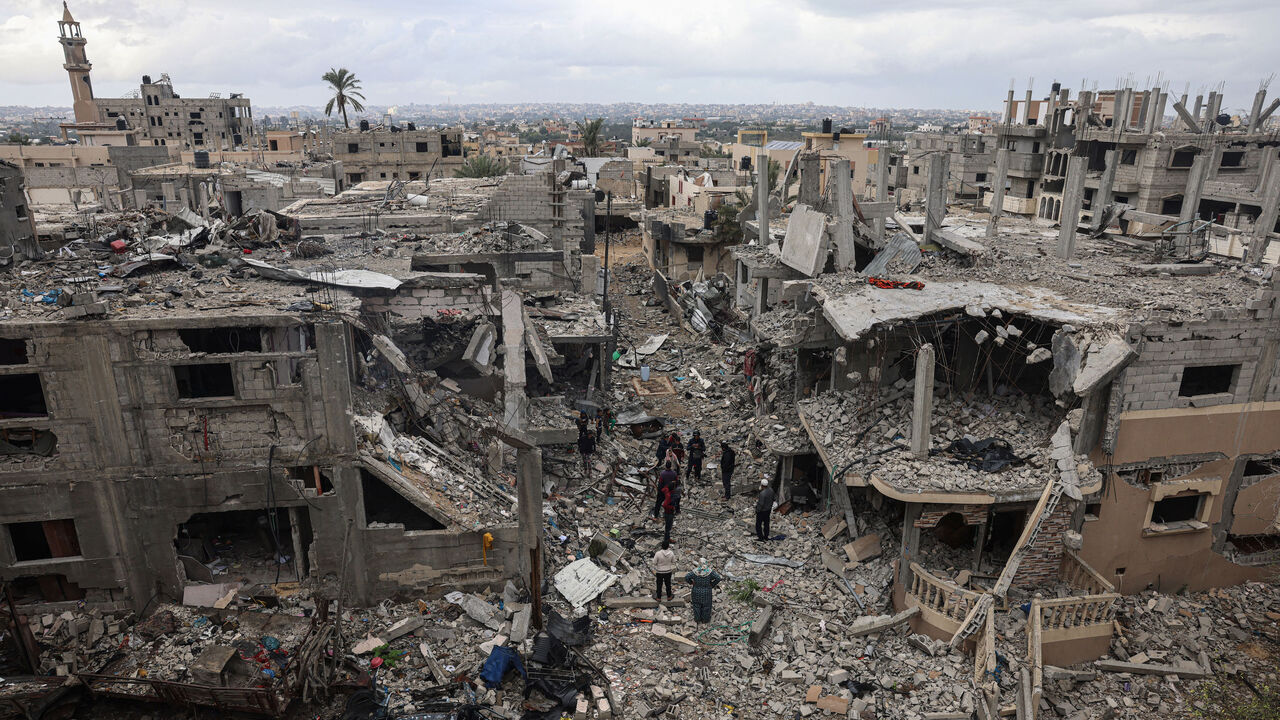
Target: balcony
[
  {"x": 943, "y": 604},
  {"x": 1026, "y": 163}
]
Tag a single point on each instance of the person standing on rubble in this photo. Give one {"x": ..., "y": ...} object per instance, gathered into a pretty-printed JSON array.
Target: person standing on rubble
[
  {"x": 664, "y": 564},
  {"x": 666, "y": 478},
  {"x": 704, "y": 580},
  {"x": 764, "y": 508},
  {"x": 670, "y": 503},
  {"x": 697, "y": 450},
  {"x": 662, "y": 452},
  {"x": 586, "y": 446},
  {"x": 728, "y": 459}
]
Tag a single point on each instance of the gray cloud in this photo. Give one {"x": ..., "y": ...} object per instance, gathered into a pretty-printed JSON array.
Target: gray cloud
[{"x": 943, "y": 53}]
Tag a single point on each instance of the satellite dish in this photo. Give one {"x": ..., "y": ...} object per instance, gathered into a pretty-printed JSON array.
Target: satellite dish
[{"x": 1223, "y": 119}]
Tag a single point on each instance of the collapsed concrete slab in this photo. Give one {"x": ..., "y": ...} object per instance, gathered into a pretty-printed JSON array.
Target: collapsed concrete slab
[{"x": 805, "y": 245}]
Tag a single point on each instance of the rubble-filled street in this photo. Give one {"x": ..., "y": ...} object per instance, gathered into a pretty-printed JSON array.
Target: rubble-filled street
[{"x": 401, "y": 402}]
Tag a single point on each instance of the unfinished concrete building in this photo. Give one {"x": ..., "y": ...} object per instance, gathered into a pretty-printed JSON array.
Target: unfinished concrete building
[
  {"x": 395, "y": 153},
  {"x": 1204, "y": 170},
  {"x": 17, "y": 222},
  {"x": 157, "y": 114},
  {"x": 971, "y": 157}
]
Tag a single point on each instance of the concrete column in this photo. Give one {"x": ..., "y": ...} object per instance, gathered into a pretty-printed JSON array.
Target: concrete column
[
  {"x": 299, "y": 554},
  {"x": 922, "y": 404},
  {"x": 982, "y": 540},
  {"x": 1195, "y": 185},
  {"x": 1195, "y": 113},
  {"x": 997, "y": 193},
  {"x": 139, "y": 199},
  {"x": 882, "y": 186},
  {"x": 529, "y": 509},
  {"x": 1256, "y": 112},
  {"x": 1178, "y": 122},
  {"x": 1072, "y": 199},
  {"x": 842, "y": 204},
  {"x": 1216, "y": 107},
  {"x": 936, "y": 200},
  {"x": 1024, "y": 112},
  {"x": 1144, "y": 110},
  {"x": 1124, "y": 109},
  {"x": 1008, "y": 109},
  {"x": 202, "y": 193},
  {"x": 810, "y": 188},
  {"x": 1267, "y": 220},
  {"x": 1094, "y": 417},
  {"x": 910, "y": 543},
  {"x": 762, "y": 195},
  {"x": 1103, "y": 197},
  {"x": 1158, "y": 121}
]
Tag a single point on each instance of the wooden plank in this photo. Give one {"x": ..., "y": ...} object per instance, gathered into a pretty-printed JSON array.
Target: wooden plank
[{"x": 1184, "y": 670}]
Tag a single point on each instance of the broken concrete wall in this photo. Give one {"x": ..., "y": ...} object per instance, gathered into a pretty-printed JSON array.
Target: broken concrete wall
[
  {"x": 134, "y": 458},
  {"x": 617, "y": 177},
  {"x": 538, "y": 201},
  {"x": 437, "y": 561},
  {"x": 1242, "y": 342},
  {"x": 463, "y": 296}
]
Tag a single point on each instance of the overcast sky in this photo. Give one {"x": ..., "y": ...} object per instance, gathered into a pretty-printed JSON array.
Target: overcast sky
[{"x": 942, "y": 54}]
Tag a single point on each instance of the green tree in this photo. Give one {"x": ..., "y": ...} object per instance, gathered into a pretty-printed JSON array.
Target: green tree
[
  {"x": 644, "y": 142},
  {"x": 775, "y": 169},
  {"x": 481, "y": 166},
  {"x": 346, "y": 91},
  {"x": 17, "y": 138},
  {"x": 590, "y": 132}
]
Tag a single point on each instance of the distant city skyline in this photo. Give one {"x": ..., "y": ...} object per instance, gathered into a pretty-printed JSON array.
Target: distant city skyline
[{"x": 947, "y": 54}]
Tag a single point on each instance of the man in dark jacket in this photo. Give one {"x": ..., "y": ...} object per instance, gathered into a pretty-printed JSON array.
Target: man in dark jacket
[
  {"x": 666, "y": 478},
  {"x": 697, "y": 450},
  {"x": 586, "y": 446},
  {"x": 764, "y": 507},
  {"x": 670, "y": 498},
  {"x": 728, "y": 459}
]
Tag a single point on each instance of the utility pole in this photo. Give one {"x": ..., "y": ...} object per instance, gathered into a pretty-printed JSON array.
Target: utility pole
[{"x": 608, "y": 235}]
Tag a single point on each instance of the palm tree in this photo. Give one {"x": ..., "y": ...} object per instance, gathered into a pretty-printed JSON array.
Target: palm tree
[
  {"x": 590, "y": 132},
  {"x": 346, "y": 91},
  {"x": 481, "y": 166}
]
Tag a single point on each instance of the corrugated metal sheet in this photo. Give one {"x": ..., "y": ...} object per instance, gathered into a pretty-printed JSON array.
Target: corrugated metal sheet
[
  {"x": 784, "y": 145},
  {"x": 581, "y": 581}
]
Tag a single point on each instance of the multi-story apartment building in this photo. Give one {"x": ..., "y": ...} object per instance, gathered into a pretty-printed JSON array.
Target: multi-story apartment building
[
  {"x": 158, "y": 115},
  {"x": 396, "y": 153}
]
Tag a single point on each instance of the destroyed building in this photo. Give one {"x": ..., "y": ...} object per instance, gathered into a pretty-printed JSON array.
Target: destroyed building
[
  {"x": 397, "y": 153},
  {"x": 1115, "y": 148},
  {"x": 156, "y": 115},
  {"x": 17, "y": 224}
]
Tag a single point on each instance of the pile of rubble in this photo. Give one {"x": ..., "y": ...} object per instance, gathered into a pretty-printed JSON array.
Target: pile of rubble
[{"x": 864, "y": 433}]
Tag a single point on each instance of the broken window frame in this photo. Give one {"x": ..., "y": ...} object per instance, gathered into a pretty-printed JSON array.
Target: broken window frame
[
  {"x": 179, "y": 382},
  {"x": 41, "y": 412},
  {"x": 1193, "y": 374},
  {"x": 61, "y": 539},
  {"x": 1180, "y": 153}
]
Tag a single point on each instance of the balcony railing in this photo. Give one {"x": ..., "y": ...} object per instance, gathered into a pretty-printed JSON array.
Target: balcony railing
[
  {"x": 1077, "y": 573},
  {"x": 943, "y": 597}
]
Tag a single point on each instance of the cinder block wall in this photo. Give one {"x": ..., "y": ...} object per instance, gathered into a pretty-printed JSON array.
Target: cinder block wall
[{"x": 1245, "y": 337}]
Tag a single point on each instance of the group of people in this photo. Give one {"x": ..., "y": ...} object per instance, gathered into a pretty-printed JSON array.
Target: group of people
[
  {"x": 703, "y": 579},
  {"x": 603, "y": 421},
  {"x": 671, "y": 453}
]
